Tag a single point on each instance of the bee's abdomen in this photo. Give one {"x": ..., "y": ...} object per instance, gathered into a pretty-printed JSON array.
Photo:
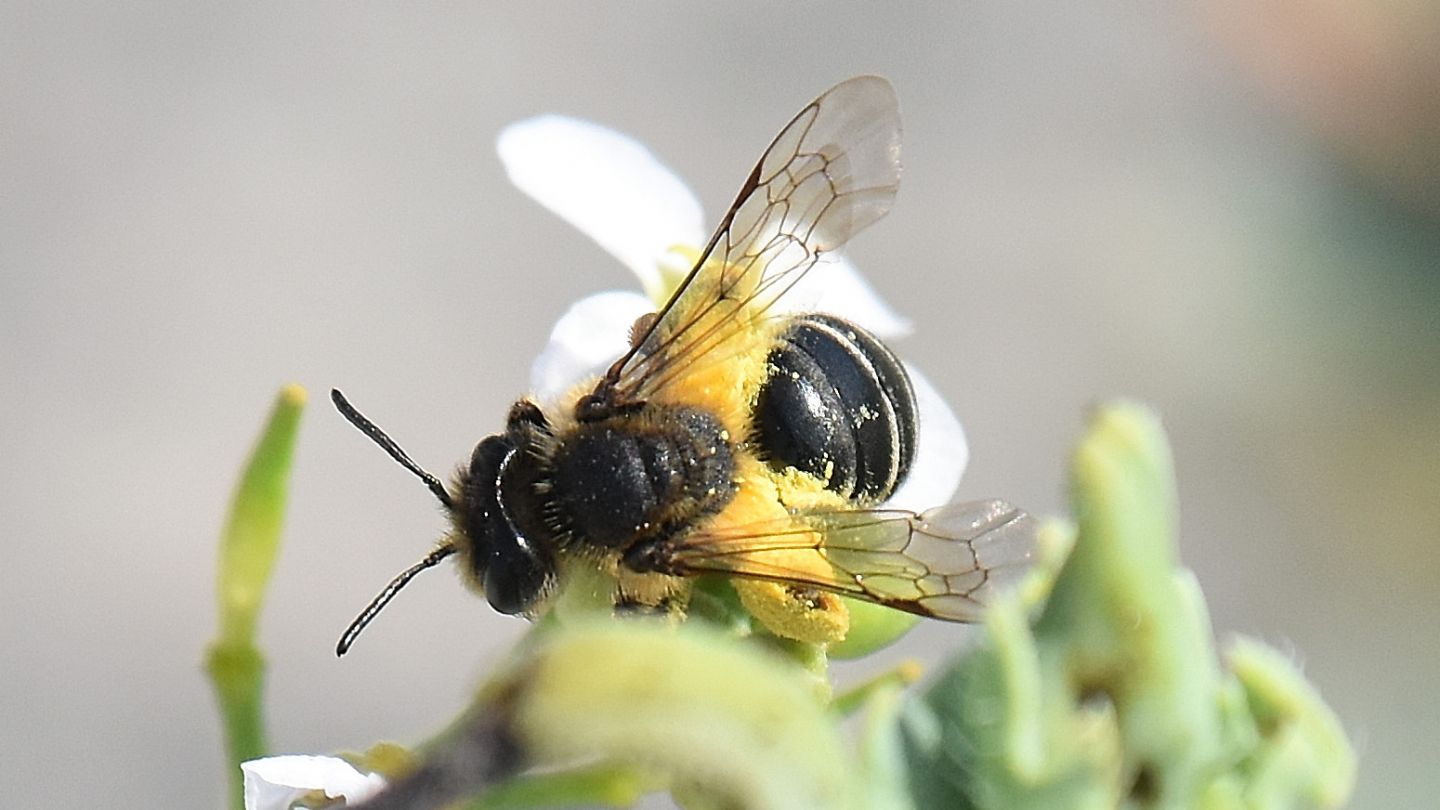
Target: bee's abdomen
[
  {"x": 641, "y": 476},
  {"x": 837, "y": 404}
]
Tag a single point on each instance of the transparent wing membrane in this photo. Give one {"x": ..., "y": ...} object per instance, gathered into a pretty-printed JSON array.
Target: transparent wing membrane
[
  {"x": 833, "y": 170},
  {"x": 945, "y": 562}
]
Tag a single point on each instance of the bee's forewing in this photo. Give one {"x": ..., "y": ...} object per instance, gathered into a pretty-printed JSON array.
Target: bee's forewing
[{"x": 833, "y": 170}]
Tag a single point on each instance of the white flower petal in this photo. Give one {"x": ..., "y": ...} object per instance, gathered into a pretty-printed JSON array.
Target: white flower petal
[
  {"x": 940, "y": 454},
  {"x": 834, "y": 285},
  {"x": 590, "y": 336},
  {"x": 609, "y": 186},
  {"x": 274, "y": 783}
]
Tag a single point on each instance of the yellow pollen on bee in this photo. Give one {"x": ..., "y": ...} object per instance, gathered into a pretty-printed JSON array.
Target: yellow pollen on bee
[
  {"x": 715, "y": 356},
  {"x": 816, "y": 617},
  {"x": 718, "y": 350},
  {"x": 788, "y": 610}
]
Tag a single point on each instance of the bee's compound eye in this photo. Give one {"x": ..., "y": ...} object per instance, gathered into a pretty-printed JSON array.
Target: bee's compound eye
[
  {"x": 516, "y": 576},
  {"x": 512, "y": 572},
  {"x": 487, "y": 457}
]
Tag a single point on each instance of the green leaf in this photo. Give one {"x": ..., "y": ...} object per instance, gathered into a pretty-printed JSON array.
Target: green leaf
[
  {"x": 882, "y": 751},
  {"x": 1302, "y": 751},
  {"x": 251, "y": 540}
]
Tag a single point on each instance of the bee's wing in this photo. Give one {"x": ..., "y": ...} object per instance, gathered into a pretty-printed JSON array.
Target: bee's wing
[
  {"x": 833, "y": 170},
  {"x": 942, "y": 563}
]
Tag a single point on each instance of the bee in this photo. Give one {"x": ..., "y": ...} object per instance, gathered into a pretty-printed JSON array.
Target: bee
[{"x": 734, "y": 436}]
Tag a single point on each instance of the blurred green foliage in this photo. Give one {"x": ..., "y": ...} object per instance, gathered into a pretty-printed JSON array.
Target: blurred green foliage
[
  {"x": 1096, "y": 683},
  {"x": 1113, "y": 696}
]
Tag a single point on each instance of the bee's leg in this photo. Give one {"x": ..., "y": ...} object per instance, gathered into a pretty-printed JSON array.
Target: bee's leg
[{"x": 647, "y": 556}]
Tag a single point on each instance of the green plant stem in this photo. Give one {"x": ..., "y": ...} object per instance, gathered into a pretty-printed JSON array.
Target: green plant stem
[
  {"x": 898, "y": 677},
  {"x": 248, "y": 549},
  {"x": 238, "y": 677}
]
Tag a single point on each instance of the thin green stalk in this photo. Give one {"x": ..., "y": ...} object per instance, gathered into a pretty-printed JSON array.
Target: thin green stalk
[{"x": 248, "y": 548}]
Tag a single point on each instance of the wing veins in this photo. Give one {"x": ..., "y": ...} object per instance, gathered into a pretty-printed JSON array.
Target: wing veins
[
  {"x": 843, "y": 144},
  {"x": 702, "y": 345},
  {"x": 935, "y": 563}
]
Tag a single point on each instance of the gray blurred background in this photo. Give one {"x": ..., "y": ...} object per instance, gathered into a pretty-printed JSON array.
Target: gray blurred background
[{"x": 1229, "y": 210}]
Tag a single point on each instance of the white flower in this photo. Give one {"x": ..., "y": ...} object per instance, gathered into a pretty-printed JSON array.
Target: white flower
[
  {"x": 616, "y": 192},
  {"x": 277, "y": 783}
]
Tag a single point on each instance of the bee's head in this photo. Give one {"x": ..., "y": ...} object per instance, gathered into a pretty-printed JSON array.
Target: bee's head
[
  {"x": 495, "y": 557},
  {"x": 495, "y": 554}
]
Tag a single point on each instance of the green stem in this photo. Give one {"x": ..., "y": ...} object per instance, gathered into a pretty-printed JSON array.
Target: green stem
[
  {"x": 237, "y": 674},
  {"x": 898, "y": 677},
  {"x": 248, "y": 549}
]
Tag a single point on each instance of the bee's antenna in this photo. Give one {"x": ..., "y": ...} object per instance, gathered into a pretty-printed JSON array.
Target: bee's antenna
[
  {"x": 383, "y": 598},
  {"x": 389, "y": 446}
]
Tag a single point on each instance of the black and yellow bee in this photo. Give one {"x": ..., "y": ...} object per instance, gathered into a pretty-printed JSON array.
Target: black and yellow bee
[{"x": 732, "y": 438}]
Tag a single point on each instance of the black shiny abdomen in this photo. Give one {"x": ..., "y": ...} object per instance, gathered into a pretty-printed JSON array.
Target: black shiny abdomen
[
  {"x": 837, "y": 404},
  {"x": 640, "y": 476}
]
